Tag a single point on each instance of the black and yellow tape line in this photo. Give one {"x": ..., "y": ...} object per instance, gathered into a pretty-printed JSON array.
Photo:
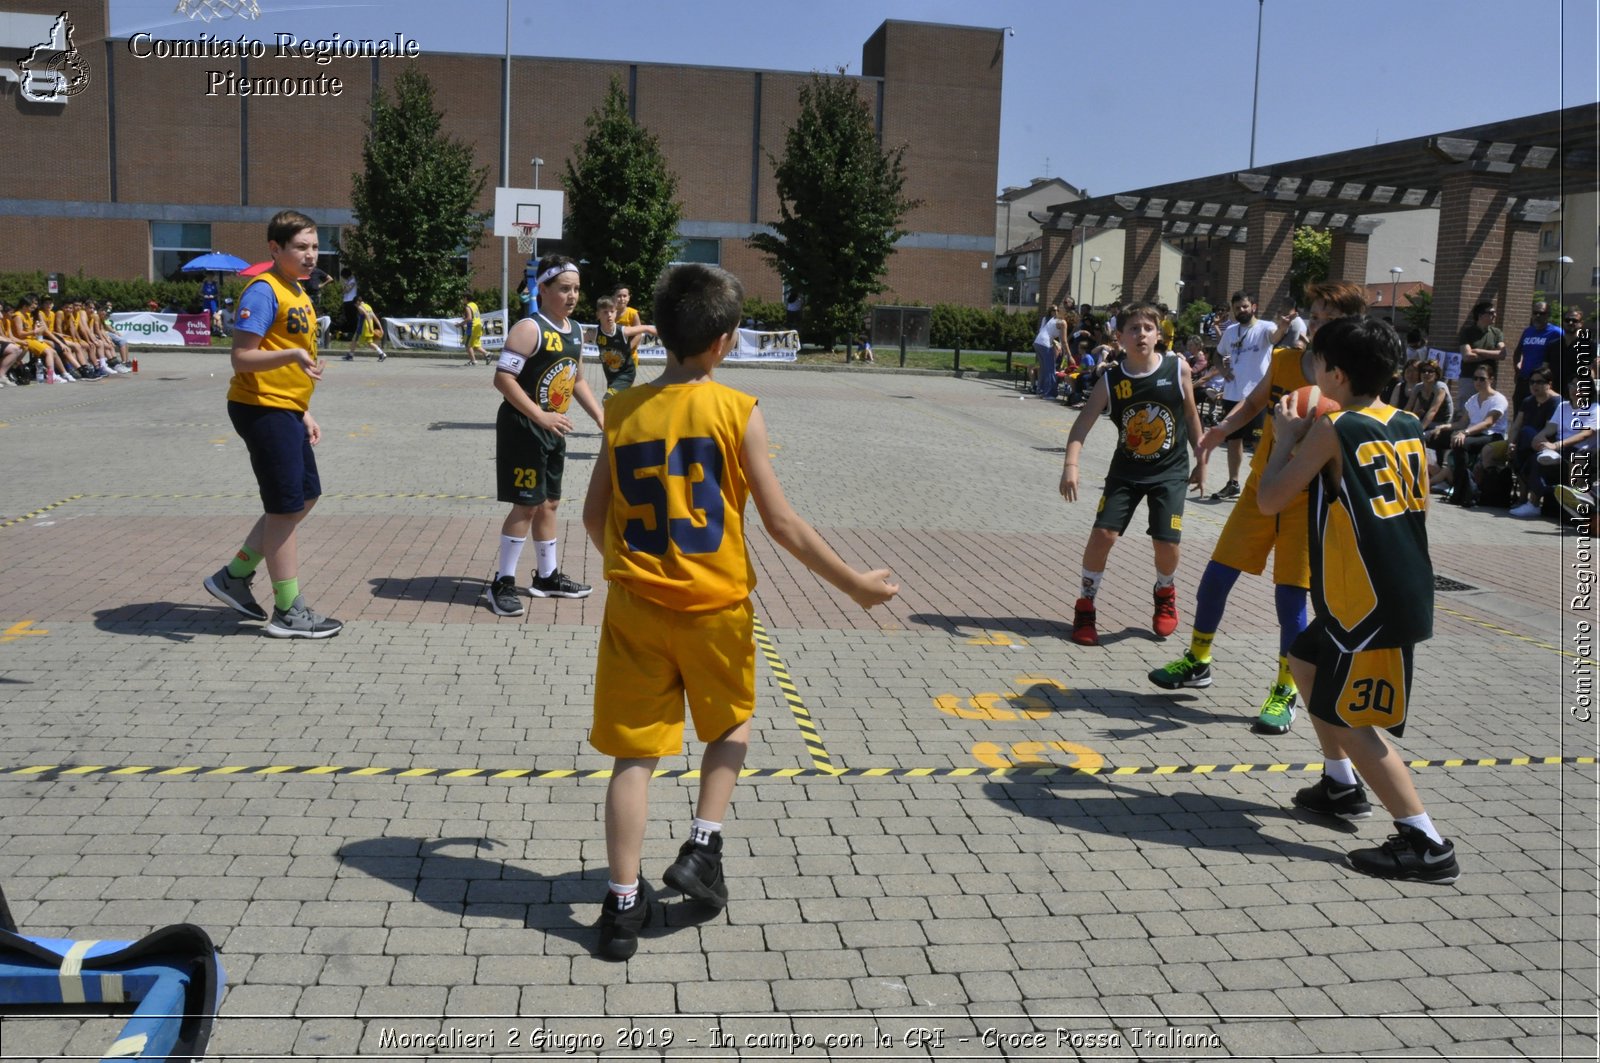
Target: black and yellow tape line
[
  {"x": 802, "y": 717},
  {"x": 42, "y": 510},
  {"x": 51, "y": 772}
]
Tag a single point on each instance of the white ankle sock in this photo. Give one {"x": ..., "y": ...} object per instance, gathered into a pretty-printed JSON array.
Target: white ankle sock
[
  {"x": 1091, "y": 583},
  {"x": 1340, "y": 771},
  {"x": 626, "y": 895},
  {"x": 510, "y": 554},
  {"x": 701, "y": 830},
  {"x": 1424, "y": 824},
  {"x": 545, "y": 557}
]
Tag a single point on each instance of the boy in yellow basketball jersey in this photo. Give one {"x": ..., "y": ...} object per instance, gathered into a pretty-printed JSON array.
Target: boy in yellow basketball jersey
[
  {"x": 666, "y": 508},
  {"x": 472, "y": 332},
  {"x": 275, "y": 369},
  {"x": 1372, "y": 585}
]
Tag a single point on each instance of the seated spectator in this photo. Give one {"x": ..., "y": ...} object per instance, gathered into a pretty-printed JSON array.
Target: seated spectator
[
  {"x": 1416, "y": 346},
  {"x": 1568, "y": 439},
  {"x": 1400, "y": 391},
  {"x": 224, "y": 318},
  {"x": 1431, "y": 402},
  {"x": 1481, "y": 420},
  {"x": 1530, "y": 419}
]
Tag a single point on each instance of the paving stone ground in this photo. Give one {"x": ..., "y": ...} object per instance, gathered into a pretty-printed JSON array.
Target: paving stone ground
[{"x": 923, "y": 904}]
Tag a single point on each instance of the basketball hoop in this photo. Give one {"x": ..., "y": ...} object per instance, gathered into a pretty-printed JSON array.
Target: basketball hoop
[
  {"x": 527, "y": 236},
  {"x": 206, "y": 10}
]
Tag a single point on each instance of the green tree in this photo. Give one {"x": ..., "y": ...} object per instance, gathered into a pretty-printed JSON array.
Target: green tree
[
  {"x": 1418, "y": 310},
  {"x": 413, "y": 200},
  {"x": 841, "y": 196},
  {"x": 622, "y": 205},
  {"x": 1313, "y": 250}
]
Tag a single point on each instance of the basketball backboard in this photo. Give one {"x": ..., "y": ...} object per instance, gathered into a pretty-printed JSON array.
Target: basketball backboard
[{"x": 536, "y": 206}]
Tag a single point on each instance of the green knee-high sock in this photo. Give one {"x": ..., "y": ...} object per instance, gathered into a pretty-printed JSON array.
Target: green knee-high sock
[
  {"x": 243, "y": 563},
  {"x": 285, "y": 591}
]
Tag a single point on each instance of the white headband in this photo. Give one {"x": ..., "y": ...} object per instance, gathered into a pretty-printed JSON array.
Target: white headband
[{"x": 556, "y": 271}]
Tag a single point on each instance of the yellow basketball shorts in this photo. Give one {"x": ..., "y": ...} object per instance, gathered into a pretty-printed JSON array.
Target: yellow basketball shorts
[
  {"x": 1367, "y": 688},
  {"x": 653, "y": 660},
  {"x": 1250, "y": 535}
]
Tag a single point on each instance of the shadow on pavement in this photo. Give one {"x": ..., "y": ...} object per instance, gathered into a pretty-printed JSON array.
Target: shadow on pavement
[
  {"x": 464, "y": 883},
  {"x": 1190, "y": 819},
  {"x": 447, "y": 590},
  {"x": 173, "y": 621},
  {"x": 976, "y": 626}
]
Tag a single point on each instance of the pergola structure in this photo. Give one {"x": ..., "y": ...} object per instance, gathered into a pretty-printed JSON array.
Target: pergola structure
[{"x": 1494, "y": 185}]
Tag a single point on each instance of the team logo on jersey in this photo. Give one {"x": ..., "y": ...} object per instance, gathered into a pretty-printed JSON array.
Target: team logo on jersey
[
  {"x": 555, "y": 387},
  {"x": 1148, "y": 430}
]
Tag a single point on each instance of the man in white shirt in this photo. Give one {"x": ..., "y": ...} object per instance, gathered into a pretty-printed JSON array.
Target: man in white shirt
[{"x": 1245, "y": 353}]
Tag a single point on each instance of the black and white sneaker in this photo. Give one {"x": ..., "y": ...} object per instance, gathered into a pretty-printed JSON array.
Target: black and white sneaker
[
  {"x": 697, "y": 872},
  {"x": 557, "y": 585},
  {"x": 1229, "y": 490},
  {"x": 619, "y": 928},
  {"x": 1328, "y": 798},
  {"x": 300, "y": 622},
  {"x": 1410, "y": 856},
  {"x": 234, "y": 592},
  {"x": 502, "y": 596}
]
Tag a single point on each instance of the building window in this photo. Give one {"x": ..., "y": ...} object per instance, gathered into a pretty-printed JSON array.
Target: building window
[
  {"x": 705, "y": 251},
  {"x": 328, "y": 249},
  {"x": 173, "y": 243},
  {"x": 1547, "y": 239},
  {"x": 1543, "y": 279}
]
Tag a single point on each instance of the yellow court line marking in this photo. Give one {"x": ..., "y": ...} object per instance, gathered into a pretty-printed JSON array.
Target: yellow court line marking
[
  {"x": 1497, "y": 629},
  {"x": 820, "y": 760},
  {"x": 47, "y": 772},
  {"x": 43, "y": 509}
]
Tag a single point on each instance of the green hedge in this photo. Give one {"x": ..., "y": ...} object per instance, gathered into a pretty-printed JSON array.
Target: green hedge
[{"x": 991, "y": 329}]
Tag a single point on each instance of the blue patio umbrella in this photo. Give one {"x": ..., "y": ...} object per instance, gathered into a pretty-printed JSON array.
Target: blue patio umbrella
[{"x": 215, "y": 262}]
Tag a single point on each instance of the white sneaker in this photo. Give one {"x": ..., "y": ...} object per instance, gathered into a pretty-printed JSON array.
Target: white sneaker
[{"x": 1527, "y": 509}]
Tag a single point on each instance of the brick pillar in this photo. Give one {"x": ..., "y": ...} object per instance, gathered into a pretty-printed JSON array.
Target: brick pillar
[
  {"x": 1347, "y": 259},
  {"x": 1471, "y": 243},
  {"x": 1518, "y": 264},
  {"x": 1230, "y": 270},
  {"x": 1268, "y": 253},
  {"x": 1056, "y": 260},
  {"x": 1141, "y": 260}
]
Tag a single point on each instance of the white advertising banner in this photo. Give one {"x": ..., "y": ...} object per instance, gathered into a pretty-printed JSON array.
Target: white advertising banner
[
  {"x": 442, "y": 333},
  {"x": 163, "y": 330}
]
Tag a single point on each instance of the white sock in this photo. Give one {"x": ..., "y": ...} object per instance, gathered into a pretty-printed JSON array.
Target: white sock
[
  {"x": 1340, "y": 771},
  {"x": 1424, "y": 824},
  {"x": 1091, "y": 583},
  {"x": 1165, "y": 579},
  {"x": 545, "y": 555},
  {"x": 510, "y": 554},
  {"x": 626, "y": 896},
  {"x": 701, "y": 830}
]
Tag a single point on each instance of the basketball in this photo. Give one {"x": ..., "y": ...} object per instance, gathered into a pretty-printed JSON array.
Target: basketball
[{"x": 1304, "y": 397}]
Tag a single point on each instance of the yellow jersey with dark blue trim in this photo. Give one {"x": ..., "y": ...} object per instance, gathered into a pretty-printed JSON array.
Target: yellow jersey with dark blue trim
[
  {"x": 293, "y": 325},
  {"x": 675, "y": 532},
  {"x": 1371, "y": 576},
  {"x": 1285, "y": 373}
]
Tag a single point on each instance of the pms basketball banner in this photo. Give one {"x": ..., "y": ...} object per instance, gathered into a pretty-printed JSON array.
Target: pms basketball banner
[
  {"x": 753, "y": 346},
  {"x": 164, "y": 330},
  {"x": 441, "y": 333}
]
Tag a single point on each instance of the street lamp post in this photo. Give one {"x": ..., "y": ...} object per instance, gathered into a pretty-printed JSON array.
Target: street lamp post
[
  {"x": 1094, "y": 288},
  {"x": 1179, "y": 308},
  {"x": 1394, "y": 297},
  {"x": 1022, "y": 286},
  {"x": 1566, "y": 263}
]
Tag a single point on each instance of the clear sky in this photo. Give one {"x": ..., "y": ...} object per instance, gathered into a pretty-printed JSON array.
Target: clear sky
[{"x": 1108, "y": 96}]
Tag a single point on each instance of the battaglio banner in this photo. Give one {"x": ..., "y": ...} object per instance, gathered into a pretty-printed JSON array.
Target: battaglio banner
[{"x": 164, "y": 330}]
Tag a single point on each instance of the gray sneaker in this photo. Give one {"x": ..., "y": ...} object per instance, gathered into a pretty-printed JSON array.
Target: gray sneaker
[
  {"x": 234, "y": 592},
  {"x": 299, "y": 622}
]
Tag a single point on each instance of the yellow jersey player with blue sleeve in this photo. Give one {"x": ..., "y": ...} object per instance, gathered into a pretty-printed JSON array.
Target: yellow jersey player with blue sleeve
[
  {"x": 666, "y": 508},
  {"x": 275, "y": 370},
  {"x": 1371, "y": 583},
  {"x": 472, "y": 332}
]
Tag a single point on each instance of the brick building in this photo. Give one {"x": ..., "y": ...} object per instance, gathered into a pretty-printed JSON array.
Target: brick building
[{"x": 150, "y": 167}]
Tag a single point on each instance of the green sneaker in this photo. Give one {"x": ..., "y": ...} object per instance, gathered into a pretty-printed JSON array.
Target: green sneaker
[
  {"x": 1277, "y": 712},
  {"x": 1186, "y": 671}
]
